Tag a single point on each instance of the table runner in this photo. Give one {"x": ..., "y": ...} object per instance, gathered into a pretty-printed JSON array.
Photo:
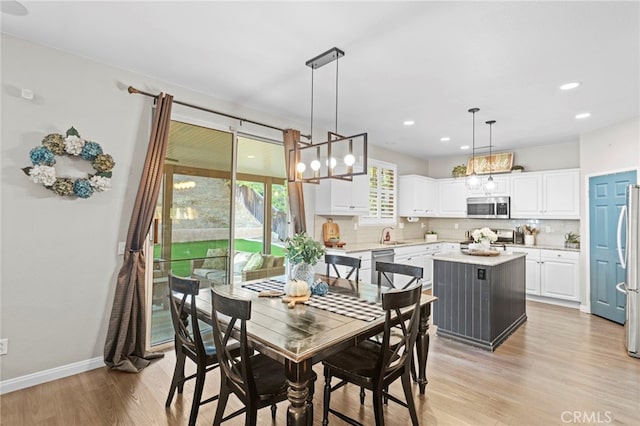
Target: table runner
[{"x": 342, "y": 304}]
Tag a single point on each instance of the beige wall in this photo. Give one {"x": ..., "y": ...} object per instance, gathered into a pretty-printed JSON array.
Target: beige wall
[
  {"x": 59, "y": 260},
  {"x": 610, "y": 150},
  {"x": 561, "y": 155}
]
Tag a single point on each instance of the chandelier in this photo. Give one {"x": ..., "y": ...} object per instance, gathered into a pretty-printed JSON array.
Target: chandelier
[{"x": 339, "y": 157}]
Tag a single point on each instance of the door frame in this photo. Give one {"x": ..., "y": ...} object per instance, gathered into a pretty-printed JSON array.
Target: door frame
[{"x": 585, "y": 237}]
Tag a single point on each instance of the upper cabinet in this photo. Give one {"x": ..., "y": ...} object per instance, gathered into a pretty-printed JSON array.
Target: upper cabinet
[
  {"x": 452, "y": 198},
  {"x": 343, "y": 198},
  {"x": 417, "y": 196},
  {"x": 502, "y": 187},
  {"x": 549, "y": 195}
]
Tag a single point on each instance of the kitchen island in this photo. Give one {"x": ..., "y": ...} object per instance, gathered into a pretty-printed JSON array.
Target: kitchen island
[{"x": 481, "y": 300}]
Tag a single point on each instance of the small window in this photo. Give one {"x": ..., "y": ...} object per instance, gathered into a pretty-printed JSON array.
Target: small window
[{"x": 382, "y": 194}]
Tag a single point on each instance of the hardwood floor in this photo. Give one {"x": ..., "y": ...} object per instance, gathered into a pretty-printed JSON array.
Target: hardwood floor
[{"x": 560, "y": 367}]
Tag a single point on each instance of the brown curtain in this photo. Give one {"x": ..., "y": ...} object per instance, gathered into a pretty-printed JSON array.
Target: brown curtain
[
  {"x": 124, "y": 347},
  {"x": 296, "y": 197}
]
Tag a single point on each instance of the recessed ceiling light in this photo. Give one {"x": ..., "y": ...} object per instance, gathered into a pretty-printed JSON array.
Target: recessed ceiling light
[
  {"x": 445, "y": 139},
  {"x": 251, "y": 156},
  {"x": 464, "y": 147},
  {"x": 583, "y": 115},
  {"x": 409, "y": 123},
  {"x": 569, "y": 86}
]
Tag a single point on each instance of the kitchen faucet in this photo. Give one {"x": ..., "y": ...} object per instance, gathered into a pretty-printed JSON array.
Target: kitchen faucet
[{"x": 382, "y": 233}]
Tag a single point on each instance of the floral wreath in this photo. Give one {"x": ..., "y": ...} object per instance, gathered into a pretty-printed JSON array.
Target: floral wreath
[{"x": 43, "y": 159}]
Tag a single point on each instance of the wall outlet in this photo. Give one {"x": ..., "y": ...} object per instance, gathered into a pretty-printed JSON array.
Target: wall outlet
[
  {"x": 121, "y": 247},
  {"x": 401, "y": 225},
  {"x": 355, "y": 226},
  {"x": 4, "y": 346},
  {"x": 547, "y": 229},
  {"x": 455, "y": 226},
  {"x": 423, "y": 225}
]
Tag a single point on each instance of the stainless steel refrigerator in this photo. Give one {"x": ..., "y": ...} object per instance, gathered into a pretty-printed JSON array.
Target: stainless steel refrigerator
[{"x": 630, "y": 261}]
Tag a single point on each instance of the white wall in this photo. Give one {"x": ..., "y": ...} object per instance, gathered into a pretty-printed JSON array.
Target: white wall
[
  {"x": 610, "y": 150},
  {"x": 59, "y": 261},
  {"x": 561, "y": 155}
]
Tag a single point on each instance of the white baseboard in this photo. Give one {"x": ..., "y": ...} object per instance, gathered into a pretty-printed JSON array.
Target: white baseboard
[
  {"x": 33, "y": 379},
  {"x": 554, "y": 301}
]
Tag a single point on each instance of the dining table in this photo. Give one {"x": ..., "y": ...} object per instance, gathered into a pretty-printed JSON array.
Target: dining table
[{"x": 301, "y": 335}]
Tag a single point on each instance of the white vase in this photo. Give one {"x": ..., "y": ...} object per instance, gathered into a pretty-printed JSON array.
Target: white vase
[
  {"x": 303, "y": 271},
  {"x": 529, "y": 240},
  {"x": 485, "y": 244}
]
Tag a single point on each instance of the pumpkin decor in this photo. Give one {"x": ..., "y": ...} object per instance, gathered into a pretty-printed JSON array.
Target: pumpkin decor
[{"x": 297, "y": 288}]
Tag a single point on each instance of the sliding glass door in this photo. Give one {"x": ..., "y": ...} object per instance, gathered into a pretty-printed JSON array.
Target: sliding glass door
[{"x": 210, "y": 226}]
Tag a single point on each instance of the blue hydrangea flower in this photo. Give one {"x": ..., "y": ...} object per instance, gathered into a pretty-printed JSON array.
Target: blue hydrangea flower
[
  {"x": 42, "y": 156},
  {"x": 82, "y": 188},
  {"x": 91, "y": 150}
]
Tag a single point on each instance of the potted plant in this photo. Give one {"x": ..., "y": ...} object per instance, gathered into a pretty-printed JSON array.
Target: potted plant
[
  {"x": 430, "y": 236},
  {"x": 517, "y": 169},
  {"x": 572, "y": 240},
  {"x": 459, "y": 171},
  {"x": 303, "y": 253}
]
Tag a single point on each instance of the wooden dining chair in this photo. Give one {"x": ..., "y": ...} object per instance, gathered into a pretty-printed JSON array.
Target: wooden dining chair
[
  {"x": 189, "y": 342},
  {"x": 332, "y": 260},
  {"x": 257, "y": 380},
  {"x": 375, "y": 366},
  {"x": 386, "y": 269}
]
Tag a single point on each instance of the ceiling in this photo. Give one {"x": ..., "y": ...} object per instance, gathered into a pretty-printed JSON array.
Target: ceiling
[{"x": 423, "y": 61}]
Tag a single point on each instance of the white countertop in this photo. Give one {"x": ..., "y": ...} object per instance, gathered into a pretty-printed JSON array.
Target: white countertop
[
  {"x": 459, "y": 257},
  {"x": 358, "y": 247}
]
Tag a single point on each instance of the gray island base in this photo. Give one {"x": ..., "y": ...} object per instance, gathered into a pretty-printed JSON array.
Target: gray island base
[{"x": 481, "y": 300}]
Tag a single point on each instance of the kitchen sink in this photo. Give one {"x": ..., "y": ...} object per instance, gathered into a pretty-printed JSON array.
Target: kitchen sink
[{"x": 394, "y": 243}]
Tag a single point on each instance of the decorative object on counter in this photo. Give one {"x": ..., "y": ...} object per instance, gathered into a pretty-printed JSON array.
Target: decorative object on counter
[
  {"x": 490, "y": 185},
  {"x": 430, "y": 236},
  {"x": 488, "y": 252},
  {"x": 473, "y": 182},
  {"x": 303, "y": 252},
  {"x": 529, "y": 235},
  {"x": 319, "y": 288},
  {"x": 331, "y": 234},
  {"x": 572, "y": 240},
  {"x": 517, "y": 168},
  {"x": 482, "y": 239},
  {"x": 297, "y": 288},
  {"x": 459, "y": 171},
  {"x": 43, "y": 160},
  {"x": 340, "y": 157}
]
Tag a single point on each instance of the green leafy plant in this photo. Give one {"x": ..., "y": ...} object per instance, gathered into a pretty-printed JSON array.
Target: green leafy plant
[
  {"x": 431, "y": 232},
  {"x": 301, "y": 248},
  {"x": 517, "y": 167},
  {"x": 459, "y": 170},
  {"x": 572, "y": 238}
]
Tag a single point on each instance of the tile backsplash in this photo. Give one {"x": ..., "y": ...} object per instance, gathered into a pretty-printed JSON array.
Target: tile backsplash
[{"x": 551, "y": 232}]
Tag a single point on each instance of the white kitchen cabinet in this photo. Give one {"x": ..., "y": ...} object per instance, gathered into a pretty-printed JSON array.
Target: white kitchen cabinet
[
  {"x": 417, "y": 196},
  {"x": 452, "y": 198},
  {"x": 409, "y": 255},
  {"x": 552, "y": 273},
  {"x": 549, "y": 195},
  {"x": 502, "y": 187},
  {"x": 343, "y": 198},
  {"x": 559, "y": 274}
]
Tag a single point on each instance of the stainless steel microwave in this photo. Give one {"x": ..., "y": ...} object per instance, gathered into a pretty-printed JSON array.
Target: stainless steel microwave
[{"x": 489, "y": 207}]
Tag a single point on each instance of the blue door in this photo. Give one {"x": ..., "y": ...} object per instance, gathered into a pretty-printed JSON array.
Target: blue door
[{"x": 607, "y": 195}]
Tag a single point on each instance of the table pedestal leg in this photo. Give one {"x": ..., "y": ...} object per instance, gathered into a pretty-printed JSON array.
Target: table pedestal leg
[
  {"x": 300, "y": 412},
  {"x": 422, "y": 346}
]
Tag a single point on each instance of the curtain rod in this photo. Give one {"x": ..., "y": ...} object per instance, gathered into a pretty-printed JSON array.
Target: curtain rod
[{"x": 133, "y": 90}]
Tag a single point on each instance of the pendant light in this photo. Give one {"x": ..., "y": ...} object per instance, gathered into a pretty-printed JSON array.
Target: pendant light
[
  {"x": 340, "y": 157},
  {"x": 490, "y": 185},
  {"x": 472, "y": 180}
]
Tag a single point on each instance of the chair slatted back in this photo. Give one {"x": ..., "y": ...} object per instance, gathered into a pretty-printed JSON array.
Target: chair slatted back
[
  {"x": 333, "y": 259},
  {"x": 386, "y": 269},
  {"x": 183, "y": 313},
  {"x": 226, "y": 313},
  {"x": 393, "y": 301}
]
